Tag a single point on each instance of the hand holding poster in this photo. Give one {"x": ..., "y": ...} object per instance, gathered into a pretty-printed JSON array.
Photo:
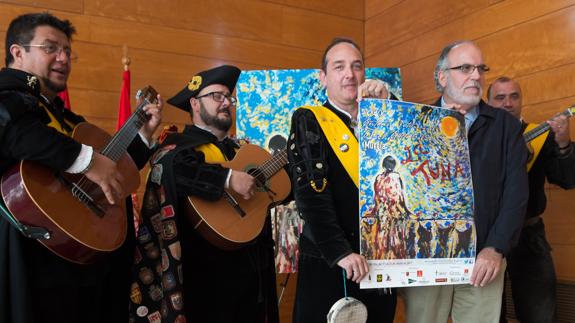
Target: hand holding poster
[{"x": 416, "y": 195}]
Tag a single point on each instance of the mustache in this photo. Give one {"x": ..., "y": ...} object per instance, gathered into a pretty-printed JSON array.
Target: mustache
[
  {"x": 60, "y": 67},
  {"x": 473, "y": 84},
  {"x": 225, "y": 110}
]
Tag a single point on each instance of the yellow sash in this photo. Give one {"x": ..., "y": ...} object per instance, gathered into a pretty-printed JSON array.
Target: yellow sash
[
  {"x": 340, "y": 138},
  {"x": 56, "y": 125},
  {"x": 536, "y": 144},
  {"x": 212, "y": 153}
]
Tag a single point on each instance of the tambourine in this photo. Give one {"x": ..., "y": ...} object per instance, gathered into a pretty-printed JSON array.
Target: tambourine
[{"x": 347, "y": 310}]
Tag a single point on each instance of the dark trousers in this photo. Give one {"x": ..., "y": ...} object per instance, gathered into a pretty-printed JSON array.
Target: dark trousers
[
  {"x": 319, "y": 287},
  {"x": 72, "y": 304},
  {"x": 533, "y": 281},
  {"x": 231, "y": 298}
]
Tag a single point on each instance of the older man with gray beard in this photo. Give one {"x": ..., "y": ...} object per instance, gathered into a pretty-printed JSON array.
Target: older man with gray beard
[{"x": 500, "y": 193}]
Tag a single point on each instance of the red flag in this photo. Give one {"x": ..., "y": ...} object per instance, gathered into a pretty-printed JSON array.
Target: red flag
[
  {"x": 124, "y": 113},
  {"x": 66, "y": 98},
  {"x": 125, "y": 110}
]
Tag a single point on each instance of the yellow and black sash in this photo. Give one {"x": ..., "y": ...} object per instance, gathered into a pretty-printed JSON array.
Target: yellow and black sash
[
  {"x": 57, "y": 124},
  {"x": 212, "y": 154},
  {"x": 536, "y": 144},
  {"x": 340, "y": 138}
]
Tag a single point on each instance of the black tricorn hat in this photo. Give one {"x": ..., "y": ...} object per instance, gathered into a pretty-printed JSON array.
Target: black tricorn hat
[{"x": 226, "y": 75}]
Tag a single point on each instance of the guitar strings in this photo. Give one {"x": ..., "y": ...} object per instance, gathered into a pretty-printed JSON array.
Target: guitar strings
[
  {"x": 131, "y": 125},
  {"x": 540, "y": 129},
  {"x": 84, "y": 182},
  {"x": 271, "y": 166}
]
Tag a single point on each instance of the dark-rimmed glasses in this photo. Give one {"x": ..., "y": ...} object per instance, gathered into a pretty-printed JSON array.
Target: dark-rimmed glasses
[
  {"x": 220, "y": 97},
  {"x": 470, "y": 68}
]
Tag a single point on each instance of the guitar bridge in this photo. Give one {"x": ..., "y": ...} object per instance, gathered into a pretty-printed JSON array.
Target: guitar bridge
[
  {"x": 232, "y": 201},
  {"x": 85, "y": 198},
  {"x": 82, "y": 196}
]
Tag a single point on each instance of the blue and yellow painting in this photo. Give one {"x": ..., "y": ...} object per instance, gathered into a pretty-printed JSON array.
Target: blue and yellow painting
[
  {"x": 416, "y": 191},
  {"x": 267, "y": 99}
]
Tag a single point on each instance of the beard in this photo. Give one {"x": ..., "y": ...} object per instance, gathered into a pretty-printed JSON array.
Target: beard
[
  {"x": 459, "y": 96},
  {"x": 53, "y": 87},
  {"x": 213, "y": 120}
]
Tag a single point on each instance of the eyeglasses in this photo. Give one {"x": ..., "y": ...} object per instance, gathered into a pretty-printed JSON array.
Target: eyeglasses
[
  {"x": 219, "y": 97},
  {"x": 51, "y": 49},
  {"x": 470, "y": 68}
]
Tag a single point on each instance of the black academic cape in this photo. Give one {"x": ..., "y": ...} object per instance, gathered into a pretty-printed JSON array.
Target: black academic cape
[
  {"x": 331, "y": 229},
  {"x": 35, "y": 284},
  {"x": 177, "y": 273}
]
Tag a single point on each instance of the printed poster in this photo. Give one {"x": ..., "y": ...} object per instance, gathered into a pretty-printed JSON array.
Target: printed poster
[
  {"x": 416, "y": 195},
  {"x": 266, "y": 101}
]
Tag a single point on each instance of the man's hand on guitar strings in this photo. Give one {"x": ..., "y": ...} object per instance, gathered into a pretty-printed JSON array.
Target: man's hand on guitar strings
[
  {"x": 243, "y": 183},
  {"x": 560, "y": 126},
  {"x": 105, "y": 174}
]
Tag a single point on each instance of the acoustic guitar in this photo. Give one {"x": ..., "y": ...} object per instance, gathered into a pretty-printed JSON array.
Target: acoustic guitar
[
  {"x": 232, "y": 221},
  {"x": 534, "y": 136},
  {"x": 79, "y": 222}
]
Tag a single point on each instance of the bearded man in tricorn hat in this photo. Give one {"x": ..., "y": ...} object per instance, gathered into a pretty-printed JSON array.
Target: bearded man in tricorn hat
[{"x": 220, "y": 285}]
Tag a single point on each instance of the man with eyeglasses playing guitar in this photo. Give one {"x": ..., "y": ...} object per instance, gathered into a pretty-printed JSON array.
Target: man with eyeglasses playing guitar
[
  {"x": 530, "y": 265},
  {"x": 201, "y": 280},
  {"x": 44, "y": 282}
]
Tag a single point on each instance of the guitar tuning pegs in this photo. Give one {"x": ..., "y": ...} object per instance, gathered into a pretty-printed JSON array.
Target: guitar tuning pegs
[{"x": 147, "y": 93}]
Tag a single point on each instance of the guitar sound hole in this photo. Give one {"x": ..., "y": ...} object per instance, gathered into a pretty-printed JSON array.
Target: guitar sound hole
[{"x": 259, "y": 176}]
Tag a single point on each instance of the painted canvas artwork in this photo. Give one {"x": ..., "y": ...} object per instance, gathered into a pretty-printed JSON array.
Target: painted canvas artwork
[
  {"x": 416, "y": 195},
  {"x": 266, "y": 101},
  {"x": 286, "y": 229}
]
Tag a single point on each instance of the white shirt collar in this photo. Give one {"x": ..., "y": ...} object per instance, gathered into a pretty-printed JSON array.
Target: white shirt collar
[
  {"x": 354, "y": 123},
  {"x": 339, "y": 109}
]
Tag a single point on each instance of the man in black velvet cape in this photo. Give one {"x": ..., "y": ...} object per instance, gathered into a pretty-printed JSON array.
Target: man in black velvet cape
[
  {"x": 35, "y": 284},
  {"x": 178, "y": 275},
  {"x": 327, "y": 197},
  {"x": 530, "y": 265}
]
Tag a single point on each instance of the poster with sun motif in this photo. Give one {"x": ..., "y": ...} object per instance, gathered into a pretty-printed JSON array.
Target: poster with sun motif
[
  {"x": 266, "y": 101},
  {"x": 416, "y": 195}
]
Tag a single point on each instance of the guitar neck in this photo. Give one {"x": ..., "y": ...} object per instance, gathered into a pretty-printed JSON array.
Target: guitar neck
[
  {"x": 536, "y": 132},
  {"x": 118, "y": 145},
  {"x": 274, "y": 164},
  {"x": 543, "y": 127}
]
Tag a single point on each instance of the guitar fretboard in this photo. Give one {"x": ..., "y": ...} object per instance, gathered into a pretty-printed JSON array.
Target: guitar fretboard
[
  {"x": 118, "y": 145},
  {"x": 274, "y": 164},
  {"x": 540, "y": 129}
]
